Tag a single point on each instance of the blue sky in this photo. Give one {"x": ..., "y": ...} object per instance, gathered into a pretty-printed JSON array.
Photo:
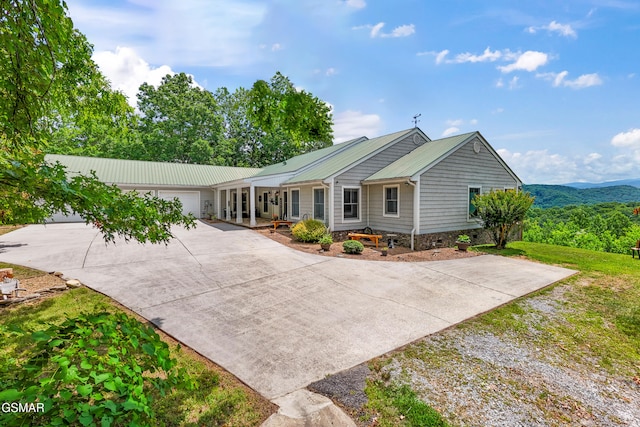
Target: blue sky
[{"x": 553, "y": 86}]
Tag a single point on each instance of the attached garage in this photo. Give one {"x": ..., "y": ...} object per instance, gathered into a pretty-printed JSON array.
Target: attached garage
[
  {"x": 190, "y": 200},
  {"x": 189, "y": 183}
]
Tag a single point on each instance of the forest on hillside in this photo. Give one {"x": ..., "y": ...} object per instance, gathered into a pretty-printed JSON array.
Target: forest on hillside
[
  {"x": 607, "y": 227},
  {"x": 550, "y": 196}
]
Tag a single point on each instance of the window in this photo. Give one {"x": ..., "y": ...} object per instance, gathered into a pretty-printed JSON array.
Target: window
[
  {"x": 265, "y": 202},
  {"x": 351, "y": 203},
  {"x": 295, "y": 203},
  {"x": 391, "y": 200},
  {"x": 318, "y": 203},
  {"x": 473, "y": 211}
]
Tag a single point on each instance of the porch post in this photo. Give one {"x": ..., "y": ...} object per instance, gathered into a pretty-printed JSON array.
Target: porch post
[
  {"x": 217, "y": 206},
  {"x": 252, "y": 205},
  {"x": 227, "y": 194},
  {"x": 239, "y": 205}
]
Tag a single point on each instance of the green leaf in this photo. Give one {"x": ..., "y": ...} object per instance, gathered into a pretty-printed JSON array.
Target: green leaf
[
  {"x": 149, "y": 348},
  {"x": 85, "y": 364},
  {"x": 110, "y": 385},
  {"x": 102, "y": 377},
  {"x": 10, "y": 395},
  {"x": 84, "y": 390},
  {"x": 40, "y": 336},
  {"x": 109, "y": 404},
  {"x": 86, "y": 419}
]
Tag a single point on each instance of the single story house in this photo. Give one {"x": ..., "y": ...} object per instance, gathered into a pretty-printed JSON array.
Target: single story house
[{"x": 404, "y": 184}]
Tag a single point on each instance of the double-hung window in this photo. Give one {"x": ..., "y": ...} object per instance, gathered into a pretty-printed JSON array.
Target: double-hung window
[
  {"x": 391, "y": 200},
  {"x": 351, "y": 203},
  {"x": 318, "y": 203},
  {"x": 295, "y": 203}
]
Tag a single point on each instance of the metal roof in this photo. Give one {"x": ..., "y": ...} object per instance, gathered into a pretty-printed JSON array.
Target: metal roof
[
  {"x": 298, "y": 162},
  {"x": 136, "y": 172},
  {"x": 420, "y": 158},
  {"x": 346, "y": 158}
]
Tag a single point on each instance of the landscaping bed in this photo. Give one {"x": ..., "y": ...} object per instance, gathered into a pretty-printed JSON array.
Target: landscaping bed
[{"x": 371, "y": 253}]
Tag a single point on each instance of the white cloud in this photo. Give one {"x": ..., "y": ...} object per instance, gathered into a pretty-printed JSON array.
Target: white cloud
[
  {"x": 441, "y": 55},
  {"x": 402, "y": 31},
  {"x": 473, "y": 121},
  {"x": 331, "y": 72},
  {"x": 186, "y": 32},
  {"x": 450, "y": 131},
  {"x": 627, "y": 139},
  {"x": 376, "y": 30},
  {"x": 356, "y": 4},
  {"x": 455, "y": 122},
  {"x": 500, "y": 83},
  {"x": 560, "y": 79},
  {"x": 555, "y": 27},
  {"x": 513, "y": 84},
  {"x": 528, "y": 61},
  {"x": 276, "y": 47},
  {"x": 487, "y": 56},
  {"x": 354, "y": 124},
  {"x": 541, "y": 167},
  {"x": 127, "y": 71},
  {"x": 592, "y": 157}
]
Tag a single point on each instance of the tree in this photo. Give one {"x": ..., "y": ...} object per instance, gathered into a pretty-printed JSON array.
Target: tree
[
  {"x": 500, "y": 211},
  {"x": 293, "y": 121},
  {"x": 99, "y": 123},
  {"x": 42, "y": 60},
  {"x": 180, "y": 121}
]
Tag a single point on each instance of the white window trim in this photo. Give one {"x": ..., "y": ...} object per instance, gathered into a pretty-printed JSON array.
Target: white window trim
[
  {"x": 384, "y": 201},
  {"x": 313, "y": 202},
  {"x": 291, "y": 190},
  {"x": 469, "y": 187},
  {"x": 352, "y": 187}
]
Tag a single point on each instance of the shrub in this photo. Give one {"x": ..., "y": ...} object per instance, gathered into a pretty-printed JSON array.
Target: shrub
[
  {"x": 353, "y": 247},
  {"x": 309, "y": 230},
  {"x": 93, "y": 369},
  {"x": 326, "y": 239}
]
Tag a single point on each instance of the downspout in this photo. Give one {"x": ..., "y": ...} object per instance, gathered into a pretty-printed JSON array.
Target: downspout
[
  {"x": 332, "y": 210},
  {"x": 416, "y": 210},
  {"x": 368, "y": 186},
  {"x": 328, "y": 187}
]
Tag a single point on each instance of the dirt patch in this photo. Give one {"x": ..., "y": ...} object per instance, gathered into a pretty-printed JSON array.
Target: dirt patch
[{"x": 371, "y": 253}]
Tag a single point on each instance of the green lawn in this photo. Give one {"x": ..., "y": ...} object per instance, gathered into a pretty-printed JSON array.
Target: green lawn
[{"x": 585, "y": 327}]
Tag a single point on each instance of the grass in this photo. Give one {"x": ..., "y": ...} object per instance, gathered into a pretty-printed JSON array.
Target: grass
[
  {"x": 592, "y": 328},
  {"x": 220, "y": 398}
]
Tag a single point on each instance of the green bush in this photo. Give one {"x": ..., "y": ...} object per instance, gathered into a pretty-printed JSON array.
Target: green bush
[
  {"x": 93, "y": 369},
  {"x": 309, "y": 231},
  {"x": 353, "y": 247}
]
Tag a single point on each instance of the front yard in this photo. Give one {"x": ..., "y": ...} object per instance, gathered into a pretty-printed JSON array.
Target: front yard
[{"x": 565, "y": 356}]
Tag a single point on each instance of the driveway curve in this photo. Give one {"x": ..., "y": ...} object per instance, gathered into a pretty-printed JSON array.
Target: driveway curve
[{"x": 276, "y": 318}]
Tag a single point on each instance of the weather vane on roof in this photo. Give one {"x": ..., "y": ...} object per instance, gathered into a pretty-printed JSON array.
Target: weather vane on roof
[{"x": 415, "y": 120}]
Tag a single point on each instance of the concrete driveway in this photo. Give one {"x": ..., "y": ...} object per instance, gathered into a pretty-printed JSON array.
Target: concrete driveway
[{"x": 276, "y": 318}]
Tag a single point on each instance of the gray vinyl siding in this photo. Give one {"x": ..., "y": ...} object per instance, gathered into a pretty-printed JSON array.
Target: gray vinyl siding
[
  {"x": 444, "y": 188},
  {"x": 377, "y": 220},
  {"x": 354, "y": 176},
  {"x": 306, "y": 201}
]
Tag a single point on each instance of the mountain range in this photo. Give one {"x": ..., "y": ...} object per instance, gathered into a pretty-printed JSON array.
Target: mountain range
[
  {"x": 548, "y": 196},
  {"x": 631, "y": 182}
]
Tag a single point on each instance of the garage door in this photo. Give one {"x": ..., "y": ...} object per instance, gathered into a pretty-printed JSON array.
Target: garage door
[
  {"x": 60, "y": 217},
  {"x": 190, "y": 200}
]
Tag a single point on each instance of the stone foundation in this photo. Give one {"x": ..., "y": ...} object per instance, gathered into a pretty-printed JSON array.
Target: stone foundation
[{"x": 445, "y": 239}]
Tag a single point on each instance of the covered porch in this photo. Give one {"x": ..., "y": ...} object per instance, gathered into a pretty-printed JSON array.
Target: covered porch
[{"x": 252, "y": 205}]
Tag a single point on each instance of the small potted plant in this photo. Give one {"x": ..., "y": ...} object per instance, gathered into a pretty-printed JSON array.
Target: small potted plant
[
  {"x": 385, "y": 251},
  {"x": 325, "y": 242},
  {"x": 463, "y": 242}
]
